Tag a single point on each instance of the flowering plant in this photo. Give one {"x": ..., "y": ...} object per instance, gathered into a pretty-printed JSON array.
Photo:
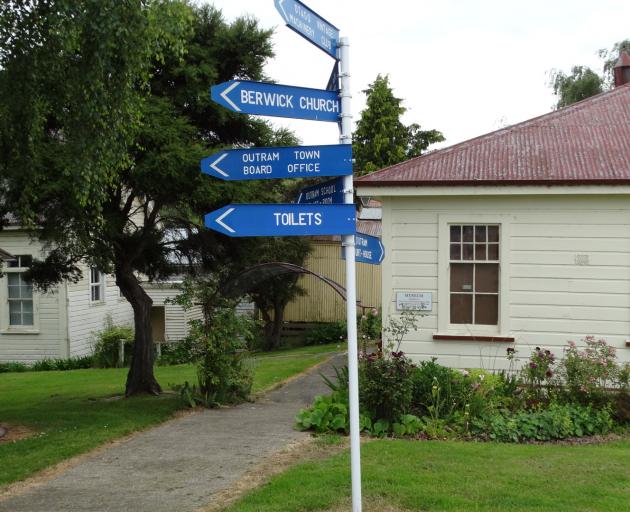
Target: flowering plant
[
  {"x": 538, "y": 374},
  {"x": 588, "y": 370}
]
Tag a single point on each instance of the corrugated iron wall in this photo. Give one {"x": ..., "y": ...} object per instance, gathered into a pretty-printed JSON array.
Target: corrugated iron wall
[{"x": 321, "y": 303}]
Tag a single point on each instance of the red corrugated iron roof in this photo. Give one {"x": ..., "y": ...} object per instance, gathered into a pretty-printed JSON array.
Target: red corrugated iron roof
[{"x": 585, "y": 143}]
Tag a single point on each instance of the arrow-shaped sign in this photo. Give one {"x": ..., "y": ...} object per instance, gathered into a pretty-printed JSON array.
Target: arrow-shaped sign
[
  {"x": 264, "y": 99},
  {"x": 329, "y": 192},
  {"x": 368, "y": 249},
  {"x": 309, "y": 25},
  {"x": 283, "y": 219},
  {"x": 281, "y": 162}
]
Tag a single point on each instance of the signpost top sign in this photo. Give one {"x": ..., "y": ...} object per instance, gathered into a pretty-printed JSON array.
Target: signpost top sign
[
  {"x": 309, "y": 25},
  {"x": 280, "y": 162},
  {"x": 283, "y": 219},
  {"x": 265, "y": 99}
]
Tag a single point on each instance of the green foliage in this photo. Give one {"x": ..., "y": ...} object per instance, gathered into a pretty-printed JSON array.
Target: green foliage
[
  {"x": 177, "y": 352},
  {"x": 327, "y": 414},
  {"x": 538, "y": 375},
  {"x": 333, "y": 332},
  {"x": 386, "y": 387},
  {"x": 107, "y": 346},
  {"x": 13, "y": 368},
  {"x": 369, "y": 326},
  {"x": 224, "y": 374},
  {"x": 71, "y": 363},
  {"x": 582, "y": 83},
  {"x": 381, "y": 139},
  {"x": 555, "y": 422},
  {"x": 587, "y": 371}
]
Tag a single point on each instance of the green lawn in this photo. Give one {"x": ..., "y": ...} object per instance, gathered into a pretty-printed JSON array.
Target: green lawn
[
  {"x": 75, "y": 411},
  {"x": 457, "y": 476}
]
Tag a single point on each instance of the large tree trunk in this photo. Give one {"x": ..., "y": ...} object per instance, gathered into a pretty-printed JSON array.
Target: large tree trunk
[
  {"x": 140, "y": 378},
  {"x": 278, "y": 321}
]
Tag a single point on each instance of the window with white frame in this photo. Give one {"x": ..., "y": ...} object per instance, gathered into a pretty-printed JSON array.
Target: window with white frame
[
  {"x": 97, "y": 285},
  {"x": 20, "y": 292},
  {"x": 474, "y": 274}
]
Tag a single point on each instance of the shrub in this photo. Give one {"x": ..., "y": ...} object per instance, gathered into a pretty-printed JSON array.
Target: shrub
[
  {"x": 555, "y": 422},
  {"x": 369, "y": 325},
  {"x": 108, "y": 345},
  {"x": 176, "y": 352},
  {"x": 333, "y": 332},
  {"x": 538, "y": 376},
  {"x": 223, "y": 373},
  {"x": 587, "y": 373},
  {"x": 13, "y": 367},
  {"x": 424, "y": 377},
  {"x": 71, "y": 363},
  {"x": 386, "y": 387}
]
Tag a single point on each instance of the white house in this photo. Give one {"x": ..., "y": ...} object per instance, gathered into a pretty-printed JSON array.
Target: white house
[
  {"x": 62, "y": 323},
  {"x": 518, "y": 238}
]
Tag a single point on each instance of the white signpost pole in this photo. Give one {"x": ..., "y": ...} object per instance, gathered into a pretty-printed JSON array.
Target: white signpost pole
[{"x": 351, "y": 287}]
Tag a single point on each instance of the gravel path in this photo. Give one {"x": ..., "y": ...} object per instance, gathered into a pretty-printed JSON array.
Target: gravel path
[{"x": 180, "y": 464}]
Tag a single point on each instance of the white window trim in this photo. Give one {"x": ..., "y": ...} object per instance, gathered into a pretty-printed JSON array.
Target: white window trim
[
  {"x": 102, "y": 284},
  {"x": 5, "y": 325},
  {"x": 444, "y": 304}
]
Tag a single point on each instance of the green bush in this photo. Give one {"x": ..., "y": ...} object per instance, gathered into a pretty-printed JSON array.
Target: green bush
[
  {"x": 176, "y": 352},
  {"x": 423, "y": 377},
  {"x": 224, "y": 375},
  {"x": 558, "y": 421},
  {"x": 334, "y": 332},
  {"x": 71, "y": 363},
  {"x": 13, "y": 367},
  {"x": 107, "y": 346},
  {"x": 386, "y": 387}
]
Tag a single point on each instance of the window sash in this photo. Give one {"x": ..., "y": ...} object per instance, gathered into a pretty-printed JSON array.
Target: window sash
[
  {"x": 471, "y": 246},
  {"x": 20, "y": 298},
  {"x": 97, "y": 290}
]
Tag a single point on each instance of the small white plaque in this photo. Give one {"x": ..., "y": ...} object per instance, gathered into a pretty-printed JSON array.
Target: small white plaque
[{"x": 418, "y": 301}]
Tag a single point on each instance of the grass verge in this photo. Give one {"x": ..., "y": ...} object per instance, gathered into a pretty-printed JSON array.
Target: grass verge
[
  {"x": 76, "y": 411},
  {"x": 455, "y": 476}
]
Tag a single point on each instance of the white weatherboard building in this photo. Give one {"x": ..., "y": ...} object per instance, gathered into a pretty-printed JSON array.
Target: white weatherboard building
[
  {"x": 62, "y": 323},
  {"x": 518, "y": 238}
]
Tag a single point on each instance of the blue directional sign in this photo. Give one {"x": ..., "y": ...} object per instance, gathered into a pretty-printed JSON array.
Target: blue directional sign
[
  {"x": 368, "y": 249},
  {"x": 310, "y": 25},
  {"x": 283, "y": 219},
  {"x": 282, "y": 162},
  {"x": 329, "y": 192},
  {"x": 266, "y": 99}
]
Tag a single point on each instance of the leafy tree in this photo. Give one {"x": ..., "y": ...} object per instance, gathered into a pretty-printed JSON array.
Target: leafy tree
[
  {"x": 274, "y": 294},
  {"x": 381, "y": 139},
  {"x": 153, "y": 192},
  {"x": 583, "y": 82}
]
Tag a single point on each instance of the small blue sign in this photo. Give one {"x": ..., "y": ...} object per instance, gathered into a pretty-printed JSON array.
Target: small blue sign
[
  {"x": 283, "y": 219},
  {"x": 282, "y": 162},
  {"x": 264, "y": 99},
  {"x": 329, "y": 192},
  {"x": 309, "y": 25},
  {"x": 367, "y": 249}
]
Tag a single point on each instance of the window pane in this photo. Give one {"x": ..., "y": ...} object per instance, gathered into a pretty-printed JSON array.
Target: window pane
[
  {"x": 27, "y": 306},
  {"x": 462, "y": 277},
  {"x": 493, "y": 252},
  {"x": 461, "y": 309},
  {"x": 94, "y": 275},
  {"x": 493, "y": 233},
  {"x": 15, "y": 319},
  {"x": 27, "y": 319},
  {"x": 14, "y": 292},
  {"x": 26, "y": 291},
  {"x": 480, "y": 252},
  {"x": 468, "y": 233},
  {"x": 468, "y": 251},
  {"x": 13, "y": 279},
  {"x": 480, "y": 233},
  {"x": 487, "y": 277},
  {"x": 96, "y": 293},
  {"x": 26, "y": 260},
  {"x": 456, "y": 233},
  {"x": 486, "y": 309},
  {"x": 456, "y": 250}
]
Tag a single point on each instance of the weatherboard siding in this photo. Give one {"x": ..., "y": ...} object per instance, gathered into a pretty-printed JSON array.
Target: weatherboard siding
[
  {"x": 86, "y": 318},
  {"x": 565, "y": 267},
  {"x": 176, "y": 318},
  {"x": 47, "y": 339},
  {"x": 321, "y": 303}
]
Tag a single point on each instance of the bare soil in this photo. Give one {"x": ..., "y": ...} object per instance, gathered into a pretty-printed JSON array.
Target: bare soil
[{"x": 10, "y": 433}]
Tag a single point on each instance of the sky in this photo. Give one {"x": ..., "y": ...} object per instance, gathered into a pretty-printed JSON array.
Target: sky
[{"x": 464, "y": 67}]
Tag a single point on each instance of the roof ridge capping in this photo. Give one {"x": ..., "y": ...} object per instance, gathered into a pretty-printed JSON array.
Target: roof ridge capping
[{"x": 392, "y": 172}]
